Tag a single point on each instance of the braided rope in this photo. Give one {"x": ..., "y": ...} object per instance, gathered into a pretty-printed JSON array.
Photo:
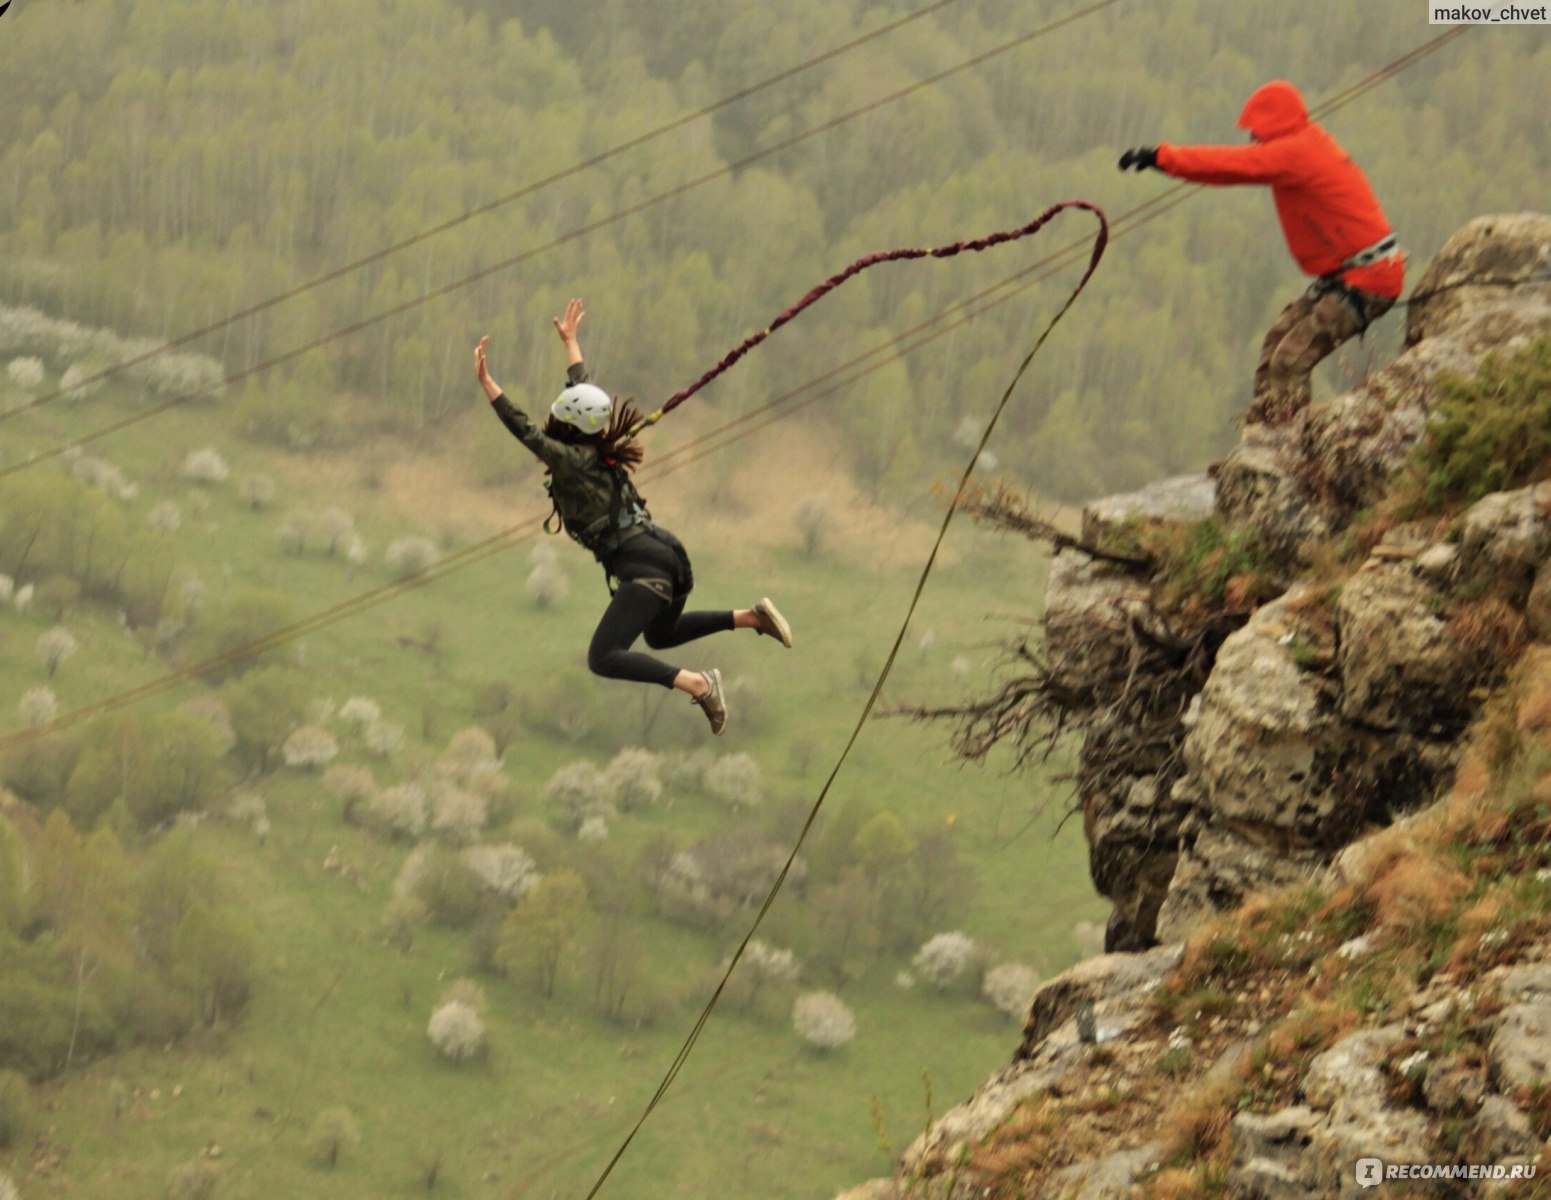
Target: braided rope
[{"x": 974, "y": 245}]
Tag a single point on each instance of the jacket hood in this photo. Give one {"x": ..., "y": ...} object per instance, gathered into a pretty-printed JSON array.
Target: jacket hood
[{"x": 1275, "y": 110}]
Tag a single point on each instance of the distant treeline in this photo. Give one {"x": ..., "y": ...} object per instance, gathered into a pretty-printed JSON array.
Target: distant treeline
[{"x": 167, "y": 162}]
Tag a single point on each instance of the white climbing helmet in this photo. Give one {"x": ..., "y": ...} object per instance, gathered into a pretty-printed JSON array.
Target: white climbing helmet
[{"x": 583, "y": 406}]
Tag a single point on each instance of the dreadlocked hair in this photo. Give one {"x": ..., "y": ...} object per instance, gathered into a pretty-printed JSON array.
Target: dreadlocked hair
[{"x": 613, "y": 446}]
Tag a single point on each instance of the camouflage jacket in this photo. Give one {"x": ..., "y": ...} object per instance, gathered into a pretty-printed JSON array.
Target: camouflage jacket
[{"x": 585, "y": 491}]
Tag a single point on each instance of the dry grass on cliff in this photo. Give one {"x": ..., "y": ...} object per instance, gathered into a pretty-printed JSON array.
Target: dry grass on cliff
[{"x": 1441, "y": 899}]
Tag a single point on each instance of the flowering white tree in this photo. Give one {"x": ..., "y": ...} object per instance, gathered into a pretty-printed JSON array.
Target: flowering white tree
[
  {"x": 206, "y": 466},
  {"x": 456, "y": 813},
  {"x": 336, "y": 527},
  {"x": 25, "y": 374},
  {"x": 351, "y": 783},
  {"x": 456, "y": 1030},
  {"x": 38, "y": 706},
  {"x": 580, "y": 791},
  {"x": 1010, "y": 987},
  {"x": 469, "y": 752},
  {"x": 258, "y": 490},
  {"x": 360, "y": 712},
  {"x": 309, "y": 747},
  {"x": 401, "y": 809},
  {"x": 74, "y": 382},
  {"x": 54, "y": 646},
  {"x": 593, "y": 829},
  {"x": 943, "y": 959},
  {"x": 1089, "y": 936},
  {"x": 823, "y": 1020},
  {"x": 7, "y": 1188},
  {"x": 735, "y": 780},
  {"x": 408, "y": 555},
  {"x": 507, "y": 870},
  {"x": 547, "y": 585},
  {"x": 355, "y": 551},
  {"x": 164, "y": 517},
  {"x": 7, "y": 588},
  {"x": 23, "y": 598},
  {"x": 633, "y": 776},
  {"x": 247, "y": 808},
  {"x": 384, "y": 738},
  {"x": 104, "y": 476}
]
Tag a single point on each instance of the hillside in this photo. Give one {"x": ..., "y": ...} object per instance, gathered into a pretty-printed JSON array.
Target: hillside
[{"x": 1313, "y": 780}]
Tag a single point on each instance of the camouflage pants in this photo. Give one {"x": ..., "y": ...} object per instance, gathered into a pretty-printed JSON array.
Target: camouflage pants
[{"x": 1307, "y": 332}]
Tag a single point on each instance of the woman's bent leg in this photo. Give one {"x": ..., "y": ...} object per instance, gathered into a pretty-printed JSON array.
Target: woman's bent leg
[{"x": 633, "y": 609}]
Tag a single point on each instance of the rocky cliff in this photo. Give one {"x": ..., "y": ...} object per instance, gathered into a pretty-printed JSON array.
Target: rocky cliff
[{"x": 1315, "y": 778}]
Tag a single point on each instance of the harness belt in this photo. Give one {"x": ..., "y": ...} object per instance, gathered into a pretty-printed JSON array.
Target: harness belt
[{"x": 1381, "y": 249}]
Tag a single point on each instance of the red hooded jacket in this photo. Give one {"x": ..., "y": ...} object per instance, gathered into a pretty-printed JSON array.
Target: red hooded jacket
[{"x": 1327, "y": 209}]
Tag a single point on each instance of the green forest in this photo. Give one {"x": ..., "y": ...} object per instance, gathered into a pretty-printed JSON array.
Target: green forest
[{"x": 406, "y": 902}]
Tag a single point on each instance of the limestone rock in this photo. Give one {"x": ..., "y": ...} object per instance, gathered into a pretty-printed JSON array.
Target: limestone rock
[
  {"x": 1499, "y": 1131},
  {"x": 1263, "y": 484},
  {"x": 1520, "y": 1050},
  {"x": 1184, "y": 498},
  {"x": 1401, "y": 668},
  {"x": 1252, "y": 752},
  {"x": 1114, "y": 984},
  {"x": 1219, "y": 867},
  {"x": 1475, "y": 271},
  {"x": 1507, "y": 535},
  {"x": 1268, "y": 1152},
  {"x": 1107, "y": 1178},
  {"x": 1089, "y": 611}
]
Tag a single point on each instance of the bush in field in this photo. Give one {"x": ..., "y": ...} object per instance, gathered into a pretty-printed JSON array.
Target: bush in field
[
  {"x": 231, "y": 627},
  {"x": 469, "y": 752},
  {"x": 293, "y": 532},
  {"x": 265, "y": 706},
  {"x": 74, "y": 382},
  {"x": 633, "y": 776},
  {"x": 547, "y": 585},
  {"x": 206, "y": 466},
  {"x": 104, "y": 476},
  {"x": 408, "y": 555},
  {"x": 25, "y": 374},
  {"x": 593, "y": 829},
  {"x": 360, "y": 712},
  {"x": 456, "y": 813},
  {"x": 309, "y": 747},
  {"x": 384, "y": 738},
  {"x": 258, "y": 491},
  {"x": 164, "y": 517},
  {"x": 1010, "y": 987},
  {"x": 944, "y": 959},
  {"x": 456, "y": 1030},
  {"x": 823, "y": 1020},
  {"x": 351, "y": 784},
  {"x": 507, "y": 870},
  {"x": 55, "y": 646},
  {"x": 335, "y": 527},
  {"x": 735, "y": 781},
  {"x": 401, "y": 810},
  {"x": 38, "y": 706},
  {"x": 577, "y": 792},
  {"x": 7, "y": 1188},
  {"x": 333, "y": 1132}
]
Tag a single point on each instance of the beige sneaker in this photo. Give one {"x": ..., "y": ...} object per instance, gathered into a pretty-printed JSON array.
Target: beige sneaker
[
  {"x": 772, "y": 623},
  {"x": 713, "y": 703}
]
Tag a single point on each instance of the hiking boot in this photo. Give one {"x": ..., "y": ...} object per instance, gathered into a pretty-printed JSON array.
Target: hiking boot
[
  {"x": 772, "y": 623},
  {"x": 713, "y": 702}
]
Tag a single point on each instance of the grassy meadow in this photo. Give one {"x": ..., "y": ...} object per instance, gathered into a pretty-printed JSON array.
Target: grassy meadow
[{"x": 339, "y": 1011}]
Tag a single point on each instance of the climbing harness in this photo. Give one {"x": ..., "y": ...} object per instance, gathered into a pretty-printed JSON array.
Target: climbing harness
[
  {"x": 1365, "y": 306},
  {"x": 834, "y": 281}
]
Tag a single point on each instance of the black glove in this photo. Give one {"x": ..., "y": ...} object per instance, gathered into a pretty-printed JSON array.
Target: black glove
[{"x": 1140, "y": 158}]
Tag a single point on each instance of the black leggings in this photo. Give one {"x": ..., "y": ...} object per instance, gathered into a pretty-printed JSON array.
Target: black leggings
[{"x": 651, "y": 568}]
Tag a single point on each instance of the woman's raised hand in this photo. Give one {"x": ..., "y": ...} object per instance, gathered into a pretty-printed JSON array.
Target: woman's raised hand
[{"x": 567, "y": 325}]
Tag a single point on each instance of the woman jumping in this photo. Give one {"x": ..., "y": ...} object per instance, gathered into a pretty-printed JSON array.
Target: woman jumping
[{"x": 590, "y": 459}]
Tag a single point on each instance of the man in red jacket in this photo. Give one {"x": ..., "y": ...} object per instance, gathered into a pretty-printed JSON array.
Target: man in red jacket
[{"x": 1334, "y": 228}]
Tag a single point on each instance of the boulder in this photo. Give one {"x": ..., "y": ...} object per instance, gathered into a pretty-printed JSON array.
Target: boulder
[
  {"x": 1506, "y": 537},
  {"x": 1491, "y": 262},
  {"x": 1401, "y": 668},
  {"x": 1182, "y": 499}
]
